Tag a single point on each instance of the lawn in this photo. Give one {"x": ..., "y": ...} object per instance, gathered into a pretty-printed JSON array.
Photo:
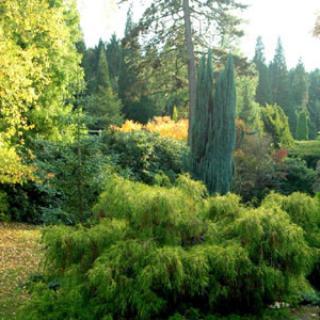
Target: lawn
[{"x": 19, "y": 257}]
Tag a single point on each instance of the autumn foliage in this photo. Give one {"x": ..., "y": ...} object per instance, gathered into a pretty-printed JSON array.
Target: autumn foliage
[{"x": 164, "y": 126}]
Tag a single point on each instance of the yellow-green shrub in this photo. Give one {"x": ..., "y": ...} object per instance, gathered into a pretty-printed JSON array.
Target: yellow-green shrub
[{"x": 158, "y": 251}]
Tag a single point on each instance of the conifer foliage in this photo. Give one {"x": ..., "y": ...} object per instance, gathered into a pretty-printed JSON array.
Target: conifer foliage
[
  {"x": 302, "y": 125},
  {"x": 103, "y": 105},
  {"x": 176, "y": 250},
  {"x": 263, "y": 92},
  {"x": 213, "y": 127}
]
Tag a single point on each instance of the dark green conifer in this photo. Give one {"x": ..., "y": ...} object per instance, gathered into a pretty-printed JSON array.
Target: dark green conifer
[
  {"x": 298, "y": 93},
  {"x": 280, "y": 84},
  {"x": 263, "y": 92},
  {"x": 114, "y": 58},
  {"x": 302, "y": 125},
  {"x": 314, "y": 103},
  {"x": 218, "y": 165},
  {"x": 213, "y": 128},
  {"x": 200, "y": 124},
  {"x": 103, "y": 105}
]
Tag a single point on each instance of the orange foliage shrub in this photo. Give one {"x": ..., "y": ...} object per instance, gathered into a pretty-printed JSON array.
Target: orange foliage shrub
[{"x": 164, "y": 126}]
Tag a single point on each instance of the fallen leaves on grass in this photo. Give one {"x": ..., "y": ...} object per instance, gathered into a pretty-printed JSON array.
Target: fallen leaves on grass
[{"x": 20, "y": 256}]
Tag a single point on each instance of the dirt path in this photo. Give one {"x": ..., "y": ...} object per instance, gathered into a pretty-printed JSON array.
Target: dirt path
[{"x": 19, "y": 257}]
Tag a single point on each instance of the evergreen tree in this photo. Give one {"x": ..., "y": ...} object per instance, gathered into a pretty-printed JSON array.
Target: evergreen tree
[
  {"x": 280, "y": 84},
  {"x": 114, "y": 58},
  {"x": 302, "y": 125},
  {"x": 200, "y": 124},
  {"x": 175, "y": 114},
  {"x": 222, "y": 133},
  {"x": 263, "y": 91},
  {"x": 219, "y": 19},
  {"x": 248, "y": 109},
  {"x": 298, "y": 92},
  {"x": 89, "y": 63},
  {"x": 216, "y": 132},
  {"x": 299, "y": 85},
  {"x": 277, "y": 126},
  {"x": 314, "y": 103},
  {"x": 132, "y": 90},
  {"x": 103, "y": 105}
]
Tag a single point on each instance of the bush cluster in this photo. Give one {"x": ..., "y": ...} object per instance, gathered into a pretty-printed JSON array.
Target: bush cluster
[
  {"x": 145, "y": 156},
  {"x": 158, "y": 252}
]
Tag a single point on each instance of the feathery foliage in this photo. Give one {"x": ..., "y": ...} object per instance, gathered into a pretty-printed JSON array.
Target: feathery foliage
[{"x": 175, "y": 250}]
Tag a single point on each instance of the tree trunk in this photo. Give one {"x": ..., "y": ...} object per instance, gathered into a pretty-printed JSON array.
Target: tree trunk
[{"x": 191, "y": 65}]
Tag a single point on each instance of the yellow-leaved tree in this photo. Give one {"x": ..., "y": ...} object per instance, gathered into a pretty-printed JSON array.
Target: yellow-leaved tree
[{"x": 39, "y": 72}]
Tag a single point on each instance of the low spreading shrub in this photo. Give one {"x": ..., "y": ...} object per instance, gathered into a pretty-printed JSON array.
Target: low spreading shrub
[
  {"x": 292, "y": 175},
  {"x": 158, "y": 252},
  {"x": 304, "y": 211}
]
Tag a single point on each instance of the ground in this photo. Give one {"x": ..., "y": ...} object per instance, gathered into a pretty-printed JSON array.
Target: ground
[{"x": 20, "y": 255}]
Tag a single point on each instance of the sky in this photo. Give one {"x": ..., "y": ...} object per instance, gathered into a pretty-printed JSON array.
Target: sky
[{"x": 292, "y": 20}]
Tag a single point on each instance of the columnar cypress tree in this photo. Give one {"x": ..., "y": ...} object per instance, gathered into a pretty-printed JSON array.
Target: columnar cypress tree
[
  {"x": 302, "y": 125},
  {"x": 218, "y": 166},
  {"x": 213, "y": 128},
  {"x": 298, "y": 92},
  {"x": 263, "y": 91},
  {"x": 199, "y": 125}
]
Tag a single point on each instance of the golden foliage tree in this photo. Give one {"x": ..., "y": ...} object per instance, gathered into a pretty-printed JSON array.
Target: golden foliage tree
[{"x": 39, "y": 70}]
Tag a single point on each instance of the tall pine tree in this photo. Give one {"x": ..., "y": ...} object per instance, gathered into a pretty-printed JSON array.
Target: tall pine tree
[
  {"x": 103, "y": 105},
  {"x": 279, "y": 77},
  {"x": 314, "y": 103},
  {"x": 298, "y": 92},
  {"x": 114, "y": 58},
  {"x": 132, "y": 89},
  {"x": 263, "y": 92}
]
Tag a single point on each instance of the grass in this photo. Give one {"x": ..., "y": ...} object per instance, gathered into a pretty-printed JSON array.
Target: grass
[{"x": 19, "y": 257}]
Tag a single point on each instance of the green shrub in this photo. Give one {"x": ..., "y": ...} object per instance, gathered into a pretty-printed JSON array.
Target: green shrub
[
  {"x": 305, "y": 212},
  {"x": 144, "y": 155},
  {"x": 306, "y": 150},
  {"x": 292, "y": 175},
  {"x": 276, "y": 124},
  {"x": 66, "y": 186},
  {"x": 4, "y": 206},
  {"x": 254, "y": 168},
  {"x": 25, "y": 201},
  {"x": 157, "y": 251}
]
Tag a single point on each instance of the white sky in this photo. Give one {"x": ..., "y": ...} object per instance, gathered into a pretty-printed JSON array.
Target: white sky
[{"x": 292, "y": 20}]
